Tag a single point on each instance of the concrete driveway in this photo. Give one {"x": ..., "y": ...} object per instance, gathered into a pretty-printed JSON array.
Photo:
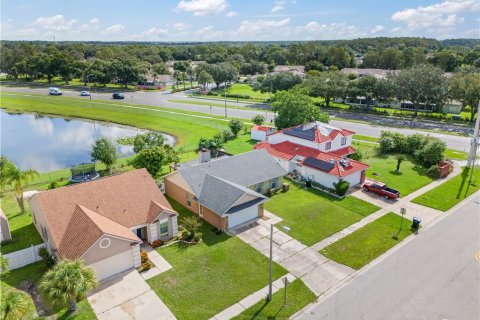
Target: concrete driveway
[{"x": 127, "y": 296}]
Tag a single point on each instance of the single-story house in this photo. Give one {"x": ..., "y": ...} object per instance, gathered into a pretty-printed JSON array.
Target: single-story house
[
  {"x": 5, "y": 234},
  {"x": 103, "y": 222},
  {"x": 260, "y": 133},
  {"x": 226, "y": 191}
]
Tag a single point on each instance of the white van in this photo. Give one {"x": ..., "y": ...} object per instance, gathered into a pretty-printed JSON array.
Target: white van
[{"x": 54, "y": 91}]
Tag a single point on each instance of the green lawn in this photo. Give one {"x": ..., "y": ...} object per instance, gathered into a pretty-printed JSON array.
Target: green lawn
[
  {"x": 240, "y": 145},
  {"x": 365, "y": 138},
  {"x": 244, "y": 89},
  {"x": 369, "y": 242},
  {"x": 298, "y": 296},
  {"x": 33, "y": 273},
  {"x": 412, "y": 176},
  {"x": 22, "y": 229},
  {"x": 451, "y": 192},
  {"x": 313, "y": 215},
  {"x": 210, "y": 276},
  {"x": 211, "y": 104}
]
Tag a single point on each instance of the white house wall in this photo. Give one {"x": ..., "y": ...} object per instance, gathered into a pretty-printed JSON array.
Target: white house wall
[
  {"x": 319, "y": 176},
  {"x": 354, "y": 178}
]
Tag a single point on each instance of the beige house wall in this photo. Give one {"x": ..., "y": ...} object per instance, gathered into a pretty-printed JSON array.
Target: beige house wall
[
  {"x": 40, "y": 224},
  {"x": 97, "y": 253},
  {"x": 179, "y": 194}
]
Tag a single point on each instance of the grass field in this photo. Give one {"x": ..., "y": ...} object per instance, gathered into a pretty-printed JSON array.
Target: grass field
[
  {"x": 244, "y": 89},
  {"x": 211, "y": 104},
  {"x": 210, "y": 276},
  {"x": 298, "y": 296},
  {"x": 313, "y": 215},
  {"x": 33, "y": 273},
  {"x": 369, "y": 242},
  {"x": 450, "y": 193},
  {"x": 240, "y": 145}
]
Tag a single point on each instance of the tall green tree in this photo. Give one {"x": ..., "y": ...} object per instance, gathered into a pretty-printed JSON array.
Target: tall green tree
[
  {"x": 147, "y": 140},
  {"x": 327, "y": 85},
  {"x": 153, "y": 159},
  {"x": 67, "y": 283},
  {"x": 158, "y": 69},
  {"x": 280, "y": 81},
  {"x": 367, "y": 87},
  {"x": 294, "y": 108},
  {"x": 10, "y": 174},
  {"x": 105, "y": 151},
  {"x": 423, "y": 84},
  {"x": 204, "y": 78},
  {"x": 465, "y": 86}
]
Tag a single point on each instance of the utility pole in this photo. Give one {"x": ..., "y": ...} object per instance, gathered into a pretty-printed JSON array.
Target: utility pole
[
  {"x": 474, "y": 141},
  {"x": 474, "y": 144},
  {"x": 225, "y": 94},
  {"x": 270, "y": 284}
]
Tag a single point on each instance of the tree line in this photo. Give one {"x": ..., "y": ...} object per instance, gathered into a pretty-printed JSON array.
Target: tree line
[{"x": 129, "y": 63}]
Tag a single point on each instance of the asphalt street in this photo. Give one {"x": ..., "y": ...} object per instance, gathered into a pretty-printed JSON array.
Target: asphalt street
[
  {"x": 161, "y": 99},
  {"x": 436, "y": 276}
]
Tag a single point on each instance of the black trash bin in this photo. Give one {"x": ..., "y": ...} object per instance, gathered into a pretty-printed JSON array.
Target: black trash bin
[{"x": 416, "y": 222}]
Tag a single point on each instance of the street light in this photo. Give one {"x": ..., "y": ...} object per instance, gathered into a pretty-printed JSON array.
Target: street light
[{"x": 225, "y": 94}]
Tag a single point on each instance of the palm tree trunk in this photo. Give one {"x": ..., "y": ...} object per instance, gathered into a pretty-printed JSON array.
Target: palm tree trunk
[{"x": 20, "y": 202}]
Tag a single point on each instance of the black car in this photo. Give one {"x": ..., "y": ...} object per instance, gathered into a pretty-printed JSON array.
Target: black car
[{"x": 117, "y": 95}]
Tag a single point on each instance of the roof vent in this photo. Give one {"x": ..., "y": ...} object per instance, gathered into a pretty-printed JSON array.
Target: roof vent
[{"x": 332, "y": 161}]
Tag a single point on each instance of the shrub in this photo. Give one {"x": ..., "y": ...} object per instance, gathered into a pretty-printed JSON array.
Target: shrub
[
  {"x": 53, "y": 185},
  {"x": 358, "y": 155},
  {"x": 258, "y": 119},
  {"x": 191, "y": 225},
  {"x": 341, "y": 188},
  {"x": 415, "y": 142},
  {"x": 143, "y": 256},
  {"x": 387, "y": 144},
  {"x": 434, "y": 171},
  {"x": 227, "y": 135},
  {"x": 147, "y": 265},
  {"x": 432, "y": 152},
  {"x": 46, "y": 257},
  {"x": 235, "y": 126},
  {"x": 156, "y": 243},
  {"x": 197, "y": 237}
]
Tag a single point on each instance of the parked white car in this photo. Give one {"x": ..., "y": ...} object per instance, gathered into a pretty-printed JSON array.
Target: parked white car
[
  {"x": 85, "y": 93},
  {"x": 54, "y": 91}
]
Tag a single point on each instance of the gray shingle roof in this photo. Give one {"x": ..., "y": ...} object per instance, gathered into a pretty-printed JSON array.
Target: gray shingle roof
[
  {"x": 245, "y": 169},
  {"x": 220, "y": 195}
]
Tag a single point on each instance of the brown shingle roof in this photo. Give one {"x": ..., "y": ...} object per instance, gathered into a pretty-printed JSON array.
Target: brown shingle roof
[
  {"x": 85, "y": 228},
  {"x": 125, "y": 199}
]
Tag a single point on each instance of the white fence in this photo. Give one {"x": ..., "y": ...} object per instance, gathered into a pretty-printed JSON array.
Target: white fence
[{"x": 23, "y": 257}]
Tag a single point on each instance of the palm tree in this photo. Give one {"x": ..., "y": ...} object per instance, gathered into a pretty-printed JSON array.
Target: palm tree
[
  {"x": 190, "y": 74},
  {"x": 67, "y": 283},
  {"x": 14, "y": 305},
  {"x": 11, "y": 174}
]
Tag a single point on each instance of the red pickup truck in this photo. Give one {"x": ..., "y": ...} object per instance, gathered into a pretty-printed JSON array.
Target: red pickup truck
[{"x": 381, "y": 189}]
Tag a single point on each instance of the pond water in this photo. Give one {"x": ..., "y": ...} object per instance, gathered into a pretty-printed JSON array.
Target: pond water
[{"x": 47, "y": 143}]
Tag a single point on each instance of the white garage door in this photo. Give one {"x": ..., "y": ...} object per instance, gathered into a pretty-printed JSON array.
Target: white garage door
[
  {"x": 113, "y": 265},
  {"x": 242, "y": 216}
]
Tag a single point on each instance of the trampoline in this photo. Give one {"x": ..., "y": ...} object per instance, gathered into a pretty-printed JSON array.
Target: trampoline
[{"x": 84, "y": 172}]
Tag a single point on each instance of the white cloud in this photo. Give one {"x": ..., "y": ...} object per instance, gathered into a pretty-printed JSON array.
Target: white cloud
[
  {"x": 113, "y": 31},
  {"x": 377, "y": 29},
  {"x": 262, "y": 25},
  {"x": 209, "y": 33},
  {"x": 151, "y": 34},
  {"x": 56, "y": 23},
  {"x": 94, "y": 21},
  {"x": 203, "y": 7},
  {"x": 231, "y": 14},
  {"x": 156, "y": 31},
  {"x": 276, "y": 9},
  {"x": 180, "y": 26},
  {"x": 444, "y": 14}
]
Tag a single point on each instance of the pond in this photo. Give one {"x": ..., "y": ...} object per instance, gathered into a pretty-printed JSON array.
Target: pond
[{"x": 47, "y": 143}]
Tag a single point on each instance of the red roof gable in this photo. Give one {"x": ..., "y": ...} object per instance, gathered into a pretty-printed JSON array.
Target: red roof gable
[
  {"x": 287, "y": 150},
  {"x": 261, "y": 128},
  {"x": 344, "y": 151}
]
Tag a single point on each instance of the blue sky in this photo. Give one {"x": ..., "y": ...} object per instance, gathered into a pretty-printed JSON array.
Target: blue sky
[{"x": 213, "y": 20}]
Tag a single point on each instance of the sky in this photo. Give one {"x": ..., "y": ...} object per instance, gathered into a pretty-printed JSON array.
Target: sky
[{"x": 236, "y": 20}]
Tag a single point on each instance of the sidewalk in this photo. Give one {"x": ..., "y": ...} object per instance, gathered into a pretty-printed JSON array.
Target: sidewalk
[
  {"x": 251, "y": 300},
  {"x": 159, "y": 263},
  {"x": 413, "y": 210}
]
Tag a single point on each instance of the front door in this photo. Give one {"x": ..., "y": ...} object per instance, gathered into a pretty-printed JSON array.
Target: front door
[{"x": 139, "y": 233}]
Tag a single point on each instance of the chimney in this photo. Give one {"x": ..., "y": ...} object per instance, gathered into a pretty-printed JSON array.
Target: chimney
[{"x": 204, "y": 155}]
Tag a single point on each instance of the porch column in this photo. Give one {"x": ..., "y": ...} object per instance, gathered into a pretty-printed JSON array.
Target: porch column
[
  {"x": 136, "y": 256},
  {"x": 152, "y": 233}
]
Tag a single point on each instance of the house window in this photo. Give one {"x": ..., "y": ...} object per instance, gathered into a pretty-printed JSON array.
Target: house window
[
  {"x": 328, "y": 146},
  {"x": 258, "y": 187},
  {"x": 189, "y": 204},
  {"x": 201, "y": 211},
  {"x": 344, "y": 141},
  {"x": 274, "y": 184},
  {"x": 164, "y": 228}
]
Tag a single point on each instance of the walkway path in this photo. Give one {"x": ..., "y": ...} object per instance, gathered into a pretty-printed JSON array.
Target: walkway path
[
  {"x": 316, "y": 271},
  {"x": 252, "y": 299},
  {"x": 412, "y": 210},
  {"x": 159, "y": 263}
]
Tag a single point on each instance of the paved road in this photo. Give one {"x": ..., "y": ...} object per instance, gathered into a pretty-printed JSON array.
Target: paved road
[
  {"x": 161, "y": 99},
  {"x": 434, "y": 276}
]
